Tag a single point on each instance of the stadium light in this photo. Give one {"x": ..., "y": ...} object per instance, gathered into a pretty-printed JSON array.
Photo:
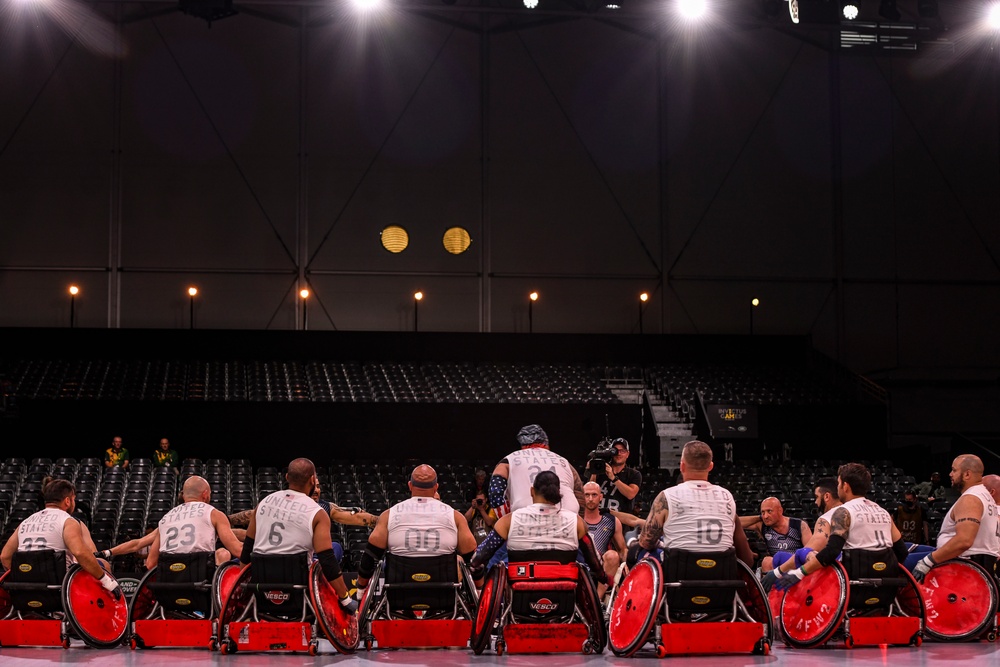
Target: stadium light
[
  {"x": 192, "y": 292},
  {"x": 692, "y": 9}
]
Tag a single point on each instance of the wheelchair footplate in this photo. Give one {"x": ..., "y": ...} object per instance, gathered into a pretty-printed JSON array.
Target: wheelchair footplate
[
  {"x": 175, "y": 633},
  {"x": 445, "y": 633},
  {"x": 702, "y": 638},
  {"x": 40, "y": 632},
  {"x": 260, "y": 636},
  {"x": 545, "y": 638},
  {"x": 883, "y": 630}
]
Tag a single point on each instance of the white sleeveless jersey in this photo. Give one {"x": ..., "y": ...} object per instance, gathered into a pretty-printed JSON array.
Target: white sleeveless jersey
[
  {"x": 187, "y": 528},
  {"x": 871, "y": 525},
  {"x": 542, "y": 527},
  {"x": 987, "y": 537},
  {"x": 700, "y": 517},
  {"x": 826, "y": 516},
  {"x": 422, "y": 526},
  {"x": 525, "y": 464},
  {"x": 44, "y": 530},
  {"x": 285, "y": 523}
]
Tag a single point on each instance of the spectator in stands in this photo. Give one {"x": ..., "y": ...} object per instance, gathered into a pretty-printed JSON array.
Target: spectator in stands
[
  {"x": 605, "y": 531},
  {"x": 780, "y": 533},
  {"x": 827, "y": 501},
  {"x": 419, "y": 526},
  {"x": 480, "y": 517},
  {"x": 859, "y": 524},
  {"x": 911, "y": 519},
  {"x": 164, "y": 457},
  {"x": 290, "y": 522},
  {"x": 694, "y": 515},
  {"x": 540, "y": 531},
  {"x": 116, "y": 456},
  {"x": 477, "y": 485},
  {"x": 619, "y": 483},
  {"x": 194, "y": 526},
  {"x": 931, "y": 490},
  {"x": 53, "y": 527},
  {"x": 971, "y": 528}
]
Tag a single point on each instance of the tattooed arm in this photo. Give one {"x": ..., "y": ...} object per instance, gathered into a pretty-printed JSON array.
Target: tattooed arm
[
  {"x": 820, "y": 536},
  {"x": 657, "y": 519},
  {"x": 240, "y": 519},
  {"x": 840, "y": 528},
  {"x": 966, "y": 513}
]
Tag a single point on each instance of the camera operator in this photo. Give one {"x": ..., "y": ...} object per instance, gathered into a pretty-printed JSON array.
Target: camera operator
[
  {"x": 481, "y": 517},
  {"x": 619, "y": 483}
]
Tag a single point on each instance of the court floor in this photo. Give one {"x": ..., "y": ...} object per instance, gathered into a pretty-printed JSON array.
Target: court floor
[{"x": 978, "y": 654}]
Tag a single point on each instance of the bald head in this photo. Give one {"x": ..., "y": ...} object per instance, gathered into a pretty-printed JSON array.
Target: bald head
[
  {"x": 424, "y": 481},
  {"x": 992, "y": 484},
  {"x": 771, "y": 511},
  {"x": 300, "y": 475},
  {"x": 592, "y": 496},
  {"x": 196, "y": 489},
  {"x": 966, "y": 471}
]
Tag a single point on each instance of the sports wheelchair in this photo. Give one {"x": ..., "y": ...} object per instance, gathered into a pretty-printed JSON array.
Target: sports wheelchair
[
  {"x": 283, "y": 603},
  {"x": 418, "y": 602},
  {"x": 960, "y": 602},
  {"x": 860, "y": 599},
  {"x": 44, "y": 603},
  {"x": 178, "y": 603},
  {"x": 692, "y": 604},
  {"x": 539, "y": 607}
]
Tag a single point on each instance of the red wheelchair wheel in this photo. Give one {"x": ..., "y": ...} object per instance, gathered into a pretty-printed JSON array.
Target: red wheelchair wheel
[
  {"x": 336, "y": 624},
  {"x": 222, "y": 583},
  {"x": 635, "y": 608},
  {"x": 813, "y": 609},
  {"x": 98, "y": 618},
  {"x": 490, "y": 604},
  {"x": 5, "y": 602},
  {"x": 756, "y": 601},
  {"x": 960, "y": 601},
  {"x": 143, "y": 601},
  {"x": 590, "y": 607},
  {"x": 237, "y": 601}
]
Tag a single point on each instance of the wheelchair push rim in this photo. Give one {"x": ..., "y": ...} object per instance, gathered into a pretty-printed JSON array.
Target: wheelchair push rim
[
  {"x": 98, "y": 618},
  {"x": 636, "y": 606},
  {"x": 590, "y": 608},
  {"x": 238, "y": 600}
]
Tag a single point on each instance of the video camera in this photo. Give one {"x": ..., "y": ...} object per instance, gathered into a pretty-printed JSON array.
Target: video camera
[{"x": 602, "y": 454}]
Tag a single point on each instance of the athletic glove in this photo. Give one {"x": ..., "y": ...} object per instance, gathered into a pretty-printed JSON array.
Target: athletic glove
[
  {"x": 350, "y": 605},
  {"x": 921, "y": 569},
  {"x": 770, "y": 578},
  {"x": 790, "y": 579},
  {"x": 106, "y": 554},
  {"x": 109, "y": 584}
]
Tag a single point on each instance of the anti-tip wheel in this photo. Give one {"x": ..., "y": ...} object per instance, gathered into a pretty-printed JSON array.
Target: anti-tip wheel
[{"x": 661, "y": 651}]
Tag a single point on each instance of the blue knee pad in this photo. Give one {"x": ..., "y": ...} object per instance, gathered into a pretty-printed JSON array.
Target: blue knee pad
[
  {"x": 916, "y": 555},
  {"x": 779, "y": 558},
  {"x": 338, "y": 551}
]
